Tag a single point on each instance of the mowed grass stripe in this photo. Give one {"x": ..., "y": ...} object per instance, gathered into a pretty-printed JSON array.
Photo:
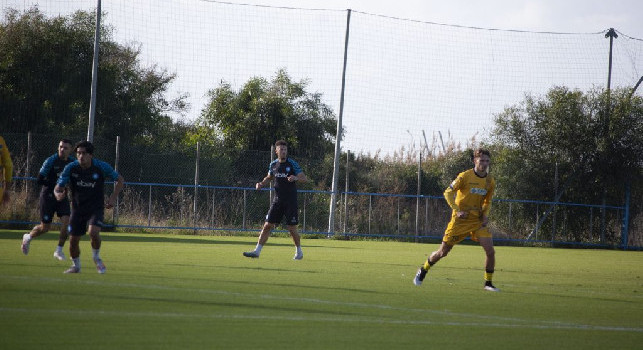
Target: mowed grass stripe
[
  {"x": 511, "y": 322},
  {"x": 125, "y": 313}
]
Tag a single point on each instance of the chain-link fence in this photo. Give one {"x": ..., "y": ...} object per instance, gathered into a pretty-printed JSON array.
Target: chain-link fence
[{"x": 161, "y": 192}]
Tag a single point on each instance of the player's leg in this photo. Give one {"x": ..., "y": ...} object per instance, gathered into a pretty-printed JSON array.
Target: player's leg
[
  {"x": 274, "y": 216},
  {"x": 455, "y": 233},
  {"x": 490, "y": 262},
  {"x": 46, "y": 206},
  {"x": 296, "y": 238},
  {"x": 96, "y": 241},
  {"x": 77, "y": 229},
  {"x": 36, "y": 231},
  {"x": 292, "y": 220},
  {"x": 95, "y": 226},
  {"x": 266, "y": 230},
  {"x": 64, "y": 210},
  {"x": 62, "y": 237}
]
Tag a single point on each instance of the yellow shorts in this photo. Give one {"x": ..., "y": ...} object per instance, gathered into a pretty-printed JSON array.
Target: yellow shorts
[{"x": 459, "y": 229}]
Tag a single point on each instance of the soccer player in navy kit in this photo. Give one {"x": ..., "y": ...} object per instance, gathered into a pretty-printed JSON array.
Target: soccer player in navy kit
[
  {"x": 86, "y": 178},
  {"x": 286, "y": 173},
  {"x": 51, "y": 169}
]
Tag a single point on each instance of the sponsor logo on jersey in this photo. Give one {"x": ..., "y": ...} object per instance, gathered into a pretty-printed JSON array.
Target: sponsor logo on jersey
[
  {"x": 281, "y": 175},
  {"x": 82, "y": 183},
  {"x": 480, "y": 191}
]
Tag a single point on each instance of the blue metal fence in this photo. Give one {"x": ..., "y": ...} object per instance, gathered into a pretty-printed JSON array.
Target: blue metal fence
[{"x": 200, "y": 208}]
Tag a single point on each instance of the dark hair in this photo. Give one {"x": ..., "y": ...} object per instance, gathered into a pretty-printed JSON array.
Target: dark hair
[
  {"x": 67, "y": 141},
  {"x": 481, "y": 151},
  {"x": 88, "y": 146},
  {"x": 281, "y": 143}
]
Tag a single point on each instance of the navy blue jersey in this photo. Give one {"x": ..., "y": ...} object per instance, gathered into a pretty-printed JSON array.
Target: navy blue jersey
[
  {"x": 50, "y": 171},
  {"x": 284, "y": 189},
  {"x": 87, "y": 185}
]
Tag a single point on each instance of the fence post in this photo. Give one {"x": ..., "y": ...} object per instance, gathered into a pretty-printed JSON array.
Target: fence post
[
  {"x": 370, "y": 210},
  {"x": 28, "y": 165},
  {"x": 348, "y": 153},
  {"x": 118, "y": 152},
  {"x": 196, "y": 188},
  {"x": 245, "y": 208},
  {"x": 626, "y": 216},
  {"x": 149, "y": 208}
]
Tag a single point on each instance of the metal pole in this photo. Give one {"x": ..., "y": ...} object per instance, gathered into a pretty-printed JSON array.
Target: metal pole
[
  {"x": 28, "y": 168},
  {"x": 196, "y": 185},
  {"x": 333, "y": 196},
  {"x": 92, "y": 102},
  {"x": 417, "y": 199},
  {"x": 149, "y": 208},
  {"x": 626, "y": 216},
  {"x": 245, "y": 206},
  {"x": 118, "y": 152},
  {"x": 346, "y": 191}
]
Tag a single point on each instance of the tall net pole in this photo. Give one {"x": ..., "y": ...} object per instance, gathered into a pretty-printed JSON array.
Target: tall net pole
[
  {"x": 333, "y": 196},
  {"x": 92, "y": 103}
]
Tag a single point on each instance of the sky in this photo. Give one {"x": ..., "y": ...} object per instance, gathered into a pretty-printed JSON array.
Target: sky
[
  {"x": 409, "y": 80},
  {"x": 535, "y": 15}
]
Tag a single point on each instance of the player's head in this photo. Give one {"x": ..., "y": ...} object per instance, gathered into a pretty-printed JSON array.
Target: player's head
[
  {"x": 84, "y": 152},
  {"x": 64, "y": 148},
  {"x": 281, "y": 149},
  {"x": 481, "y": 159}
]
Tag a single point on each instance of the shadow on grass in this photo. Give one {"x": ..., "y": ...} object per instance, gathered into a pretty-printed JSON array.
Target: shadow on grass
[{"x": 52, "y": 235}]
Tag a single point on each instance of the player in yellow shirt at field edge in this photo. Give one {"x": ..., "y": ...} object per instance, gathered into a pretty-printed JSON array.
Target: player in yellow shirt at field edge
[
  {"x": 6, "y": 166},
  {"x": 469, "y": 195}
]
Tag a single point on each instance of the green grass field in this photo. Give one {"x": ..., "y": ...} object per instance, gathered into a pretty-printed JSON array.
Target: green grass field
[{"x": 199, "y": 292}]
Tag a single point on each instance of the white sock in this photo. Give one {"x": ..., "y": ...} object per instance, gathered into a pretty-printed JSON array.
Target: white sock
[
  {"x": 59, "y": 249},
  {"x": 76, "y": 262},
  {"x": 96, "y": 253},
  {"x": 299, "y": 250},
  {"x": 258, "y": 248}
]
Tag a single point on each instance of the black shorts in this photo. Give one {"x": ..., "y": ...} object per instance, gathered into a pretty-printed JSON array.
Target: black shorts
[
  {"x": 49, "y": 205},
  {"x": 279, "y": 209},
  {"x": 78, "y": 221}
]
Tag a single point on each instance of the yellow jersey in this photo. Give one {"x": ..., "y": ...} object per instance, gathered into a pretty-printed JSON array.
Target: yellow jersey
[
  {"x": 5, "y": 161},
  {"x": 471, "y": 193}
]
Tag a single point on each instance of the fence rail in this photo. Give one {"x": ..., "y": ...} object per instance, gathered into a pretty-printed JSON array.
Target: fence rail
[{"x": 378, "y": 215}]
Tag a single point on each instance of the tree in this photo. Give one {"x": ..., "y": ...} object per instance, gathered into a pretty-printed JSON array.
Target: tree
[
  {"x": 263, "y": 111},
  {"x": 566, "y": 130},
  {"x": 45, "y": 80},
  {"x": 568, "y": 144}
]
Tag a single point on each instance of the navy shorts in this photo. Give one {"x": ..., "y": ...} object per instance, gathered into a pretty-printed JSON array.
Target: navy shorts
[
  {"x": 50, "y": 206},
  {"x": 279, "y": 209},
  {"x": 78, "y": 222}
]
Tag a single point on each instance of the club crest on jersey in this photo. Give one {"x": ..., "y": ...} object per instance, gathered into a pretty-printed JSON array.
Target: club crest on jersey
[
  {"x": 95, "y": 176},
  {"x": 287, "y": 169}
]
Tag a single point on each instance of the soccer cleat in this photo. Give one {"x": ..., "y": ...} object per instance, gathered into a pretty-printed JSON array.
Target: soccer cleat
[
  {"x": 489, "y": 287},
  {"x": 251, "y": 254},
  {"x": 419, "y": 276},
  {"x": 59, "y": 255},
  {"x": 73, "y": 269},
  {"x": 100, "y": 267},
  {"x": 26, "y": 240},
  {"x": 298, "y": 256}
]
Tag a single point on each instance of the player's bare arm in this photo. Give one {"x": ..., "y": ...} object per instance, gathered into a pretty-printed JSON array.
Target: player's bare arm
[
  {"x": 301, "y": 177},
  {"x": 117, "y": 189},
  {"x": 264, "y": 182}
]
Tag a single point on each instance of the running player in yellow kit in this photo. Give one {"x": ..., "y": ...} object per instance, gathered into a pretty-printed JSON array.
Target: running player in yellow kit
[
  {"x": 6, "y": 166},
  {"x": 469, "y": 195}
]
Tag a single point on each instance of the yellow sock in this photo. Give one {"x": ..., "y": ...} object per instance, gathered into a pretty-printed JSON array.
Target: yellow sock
[
  {"x": 426, "y": 266},
  {"x": 488, "y": 276}
]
